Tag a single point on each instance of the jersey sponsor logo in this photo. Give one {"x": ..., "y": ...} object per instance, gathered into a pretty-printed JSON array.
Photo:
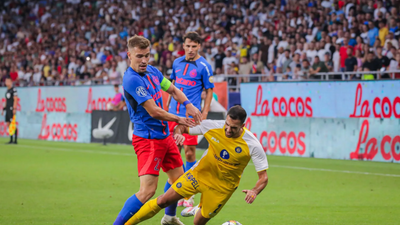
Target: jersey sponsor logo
[
  {"x": 193, "y": 73},
  {"x": 157, "y": 96},
  {"x": 225, "y": 162},
  {"x": 155, "y": 80},
  {"x": 179, "y": 185},
  {"x": 224, "y": 154},
  {"x": 190, "y": 177},
  {"x": 208, "y": 71},
  {"x": 238, "y": 149},
  {"x": 182, "y": 81},
  {"x": 141, "y": 92},
  {"x": 214, "y": 139}
]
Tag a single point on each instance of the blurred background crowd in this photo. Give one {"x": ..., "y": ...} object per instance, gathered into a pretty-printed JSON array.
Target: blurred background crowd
[{"x": 74, "y": 42}]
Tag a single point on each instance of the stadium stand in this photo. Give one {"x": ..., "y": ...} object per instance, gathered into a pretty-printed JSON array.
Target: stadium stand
[{"x": 76, "y": 42}]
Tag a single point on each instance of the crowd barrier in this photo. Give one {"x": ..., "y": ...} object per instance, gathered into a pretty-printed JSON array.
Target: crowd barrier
[{"x": 339, "y": 120}]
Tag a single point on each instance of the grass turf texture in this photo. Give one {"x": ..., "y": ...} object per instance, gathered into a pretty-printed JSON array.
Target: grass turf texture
[{"x": 67, "y": 183}]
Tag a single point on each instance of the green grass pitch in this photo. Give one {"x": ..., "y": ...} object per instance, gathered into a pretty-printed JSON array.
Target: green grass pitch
[{"x": 67, "y": 183}]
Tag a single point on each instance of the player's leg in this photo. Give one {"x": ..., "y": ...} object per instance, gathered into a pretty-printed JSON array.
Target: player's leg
[
  {"x": 149, "y": 162},
  {"x": 190, "y": 144},
  {"x": 16, "y": 136},
  {"x": 212, "y": 202},
  {"x": 200, "y": 219},
  {"x": 190, "y": 155},
  {"x": 181, "y": 188},
  {"x": 148, "y": 187},
  {"x": 172, "y": 165},
  {"x": 8, "y": 125}
]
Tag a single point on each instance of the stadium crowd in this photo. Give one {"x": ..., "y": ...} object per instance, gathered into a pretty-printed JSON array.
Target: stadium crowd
[{"x": 74, "y": 42}]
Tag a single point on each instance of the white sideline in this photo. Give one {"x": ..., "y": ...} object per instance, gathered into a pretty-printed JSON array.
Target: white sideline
[
  {"x": 279, "y": 166},
  {"x": 76, "y": 150},
  {"x": 339, "y": 171}
]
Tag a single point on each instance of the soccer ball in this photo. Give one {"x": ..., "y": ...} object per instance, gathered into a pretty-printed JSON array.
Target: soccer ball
[{"x": 232, "y": 222}]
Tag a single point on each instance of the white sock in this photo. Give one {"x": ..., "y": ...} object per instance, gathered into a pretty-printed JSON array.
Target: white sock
[{"x": 167, "y": 217}]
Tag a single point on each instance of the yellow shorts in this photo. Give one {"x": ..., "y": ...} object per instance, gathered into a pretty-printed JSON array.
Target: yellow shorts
[{"x": 211, "y": 201}]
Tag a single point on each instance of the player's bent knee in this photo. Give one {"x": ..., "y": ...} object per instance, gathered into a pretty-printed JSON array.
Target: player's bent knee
[
  {"x": 163, "y": 202},
  {"x": 145, "y": 195},
  {"x": 200, "y": 220}
]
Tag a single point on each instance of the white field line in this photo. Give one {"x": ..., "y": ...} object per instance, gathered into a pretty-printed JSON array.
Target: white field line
[
  {"x": 279, "y": 166},
  {"x": 76, "y": 150},
  {"x": 338, "y": 171}
]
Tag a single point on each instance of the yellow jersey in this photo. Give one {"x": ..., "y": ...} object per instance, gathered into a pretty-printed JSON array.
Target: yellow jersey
[{"x": 222, "y": 165}]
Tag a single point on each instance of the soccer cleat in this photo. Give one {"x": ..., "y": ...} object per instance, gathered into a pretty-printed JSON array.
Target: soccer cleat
[
  {"x": 189, "y": 202},
  {"x": 190, "y": 211},
  {"x": 180, "y": 202},
  {"x": 171, "y": 220}
]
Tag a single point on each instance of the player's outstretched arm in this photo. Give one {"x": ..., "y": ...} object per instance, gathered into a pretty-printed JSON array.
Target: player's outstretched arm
[
  {"x": 262, "y": 182},
  {"x": 160, "y": 114},
  {"x": 181, "y": 98}
]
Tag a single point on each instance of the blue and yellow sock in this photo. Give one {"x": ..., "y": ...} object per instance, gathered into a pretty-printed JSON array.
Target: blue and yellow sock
[
  {"x": 190, "y": 164},
  {"x": 146, "y": 212},
  {"x": 171, "y": 209},
  {"x": 132, "y": 205}
]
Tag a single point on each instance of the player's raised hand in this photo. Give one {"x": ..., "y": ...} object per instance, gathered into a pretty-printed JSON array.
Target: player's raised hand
[
  {"x": 179, "y": 139},
  {"x": 187, "y": 122},
  {"x": 250, "y": 196},
  {"x": 194, "y": 112}
]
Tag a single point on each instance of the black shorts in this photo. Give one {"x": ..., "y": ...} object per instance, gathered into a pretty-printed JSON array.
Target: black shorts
[{"x": 9, "y": 116}]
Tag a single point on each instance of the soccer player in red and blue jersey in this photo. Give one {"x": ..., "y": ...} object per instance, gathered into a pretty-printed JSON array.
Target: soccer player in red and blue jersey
[
  {"x": 191, "y": 74},
  {"x": 154, "y": 146}
]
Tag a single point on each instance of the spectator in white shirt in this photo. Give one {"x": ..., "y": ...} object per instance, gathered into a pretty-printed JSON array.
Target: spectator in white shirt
[
  {"x": 122, "y": 65},
  {"x": 72, "y": 64},
  {"x": 282, "y": 59},
  {"x": 379, "y": 8},
  {"x": 390, "y": 39},
  {"x": 228, "y": 60},
  {"x": 311, "y": 52}
]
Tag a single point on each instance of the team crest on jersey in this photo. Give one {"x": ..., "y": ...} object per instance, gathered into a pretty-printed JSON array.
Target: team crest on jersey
[
  {"x": 193, "y": 73},
  {"x": 8, "y": 95},
  {"x": 141, "y": 91},
  {"x": 155, "y": 80},
  {"x": 224, "y": 154},
  {"x": 238, "y": 149},
  {"x": 211, "y": 79},
  {"x": 179, "y": 185}
]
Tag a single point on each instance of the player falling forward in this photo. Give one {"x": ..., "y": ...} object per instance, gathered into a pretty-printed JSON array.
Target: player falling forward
[
  {"x": 11, "y": 107},
  {"x": 191, "y": 73},
  {"x": 217, "y": 174},
  {"x": 153, "y": 145}
]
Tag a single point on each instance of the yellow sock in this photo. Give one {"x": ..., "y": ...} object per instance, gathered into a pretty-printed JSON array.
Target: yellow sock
[{"x": 147, "y": 211}]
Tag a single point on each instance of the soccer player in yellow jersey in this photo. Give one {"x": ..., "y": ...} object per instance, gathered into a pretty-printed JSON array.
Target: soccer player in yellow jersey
[{"x": 217, "y": 174}]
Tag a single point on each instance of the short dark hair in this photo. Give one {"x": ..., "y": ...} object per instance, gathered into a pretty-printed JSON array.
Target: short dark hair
[
  {"x": 237, "y": 113},
  {"x": 193, "y": 36},
  {"x": 8, "y": 77},
  {"x": 138, "y": 41},
  {"x": 116, "y": 85}
]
